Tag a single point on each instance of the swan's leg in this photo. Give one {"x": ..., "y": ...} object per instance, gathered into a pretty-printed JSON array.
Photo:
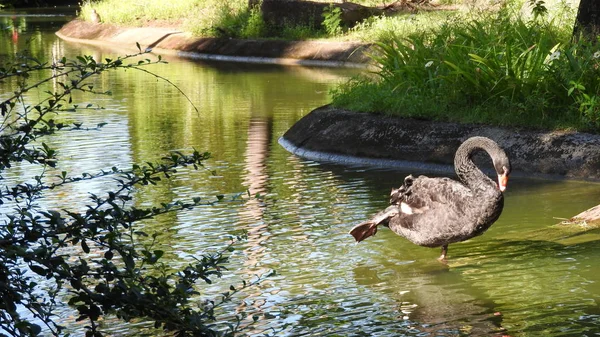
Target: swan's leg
[{"x": 444, "y": 253}]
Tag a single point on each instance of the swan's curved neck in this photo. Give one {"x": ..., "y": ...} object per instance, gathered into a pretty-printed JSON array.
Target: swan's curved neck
[{"x": 466, "y": 170}]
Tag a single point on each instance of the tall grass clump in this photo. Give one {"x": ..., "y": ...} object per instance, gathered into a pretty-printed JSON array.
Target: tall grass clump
[
  {"x": 332, "y": 20},
  {"x": 496, "y": 68},
  {"x": 384, "y": 28},
  {"x": 254, "y": 26}
]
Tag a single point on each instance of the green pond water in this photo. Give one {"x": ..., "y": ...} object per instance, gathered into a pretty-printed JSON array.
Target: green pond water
[{"x": 526, "y": 276}]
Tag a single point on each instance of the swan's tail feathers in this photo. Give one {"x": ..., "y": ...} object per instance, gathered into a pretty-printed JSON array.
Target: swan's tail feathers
[
  {"x": 399, "y": 194},
  {"x": 408, "y": 181},
  {"x": 368, "y": 228}
]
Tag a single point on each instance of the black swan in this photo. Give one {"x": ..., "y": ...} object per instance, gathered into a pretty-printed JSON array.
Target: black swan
[{"x": 434, "y": 212}]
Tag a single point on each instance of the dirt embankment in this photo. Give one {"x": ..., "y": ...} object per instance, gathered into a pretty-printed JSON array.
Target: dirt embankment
[{"x": 173, "y": 41}]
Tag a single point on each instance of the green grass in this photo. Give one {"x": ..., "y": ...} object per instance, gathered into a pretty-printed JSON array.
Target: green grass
[
  {"x": 233, "y": 18},
  {"x": 206, "y": 18},
  {"x": 493, "y": 68},
  {"x": 133, "y": 12},
  {"x": 386, "y": 27}
]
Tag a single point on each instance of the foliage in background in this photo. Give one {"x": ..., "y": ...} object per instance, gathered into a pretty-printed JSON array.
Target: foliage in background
[
  {"x": 510, "y": 65},
  {"x": 219, "y": 18},
  {"x": 235, "y": 19},
  {"x": 378, "y": 29},
  {"x": 98, "y": 260},
  {"x": 498, "y": 67},
  {"x": 213, "y": 18},
  {"x": 332, "y": 20},
  {"x": 254, "y": 26}
]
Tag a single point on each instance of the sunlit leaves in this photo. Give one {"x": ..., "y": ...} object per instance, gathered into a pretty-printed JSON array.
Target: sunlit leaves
[
  {"x": 97, "y": 257},
  {"x": 495, "y": 68}
]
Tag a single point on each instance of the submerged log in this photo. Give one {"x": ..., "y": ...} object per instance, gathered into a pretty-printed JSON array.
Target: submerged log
[{"x": 589, "y": 218}]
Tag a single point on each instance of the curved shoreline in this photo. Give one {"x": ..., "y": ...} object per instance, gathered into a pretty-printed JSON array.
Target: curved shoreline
[
  {"x": 355, "y": 138},
  {"x": 338, "y": 135},
  {"x": 172, "y": 41},
  {"x": 339, "y": 158},
  {"x": 417, "y": 166}
]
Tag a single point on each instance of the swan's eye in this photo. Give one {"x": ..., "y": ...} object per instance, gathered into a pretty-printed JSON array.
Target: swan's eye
[{"x": 506, "y": 170}]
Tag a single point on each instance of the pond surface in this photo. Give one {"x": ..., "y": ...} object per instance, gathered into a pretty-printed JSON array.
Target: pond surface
[{"x": 524, "y": 277}]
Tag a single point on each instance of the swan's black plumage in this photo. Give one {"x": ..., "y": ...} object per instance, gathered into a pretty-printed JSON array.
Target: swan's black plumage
[{"x": 434, "y": 212}]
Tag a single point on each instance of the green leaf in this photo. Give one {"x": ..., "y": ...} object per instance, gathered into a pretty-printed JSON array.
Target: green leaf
[
  {"x": 85, "y": 247},
  {"x": 35, "y": 329},
  {"x": 38, "y": 270},
  {"x": 108, "y": 255},
  {"x": 129, "y": 262}
]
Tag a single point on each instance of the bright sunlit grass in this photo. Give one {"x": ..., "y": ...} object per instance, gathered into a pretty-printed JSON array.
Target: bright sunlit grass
[
  {"x": 503, "y": 66},
  {"x": 386, "y": 27},
  {"x": 234, "y": 19},
  {"x": 496, "y": 68},
  {"x": 132, "y": 12}
]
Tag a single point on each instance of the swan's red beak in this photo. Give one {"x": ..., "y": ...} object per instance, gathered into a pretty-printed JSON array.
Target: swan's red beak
[{"x": 502, "y": 181}]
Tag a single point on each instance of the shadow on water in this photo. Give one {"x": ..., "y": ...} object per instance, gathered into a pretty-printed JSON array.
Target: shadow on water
[
  {"x": 435, "y": 300},
  {"x": 496, "y": 288}
]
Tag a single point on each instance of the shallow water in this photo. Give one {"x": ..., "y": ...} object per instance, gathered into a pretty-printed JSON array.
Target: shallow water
[{"x": 524, "y": 277}]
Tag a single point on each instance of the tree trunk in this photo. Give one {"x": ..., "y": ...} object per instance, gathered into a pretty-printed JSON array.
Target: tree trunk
[{"x": 588, "y": 20}]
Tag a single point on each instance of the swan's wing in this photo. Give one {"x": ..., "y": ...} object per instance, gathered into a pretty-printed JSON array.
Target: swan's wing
[
  {"x": 425, "y": 197},
  {"x": 427, "y": 191},
  {"x": 419, "y": 199}
]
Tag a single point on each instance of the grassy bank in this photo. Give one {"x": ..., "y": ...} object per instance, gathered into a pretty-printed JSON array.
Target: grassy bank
[
  {"x": 504, "y": 66},
  {"x": 494, "y": 68},
  {"x": 216, "y": 18}
]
